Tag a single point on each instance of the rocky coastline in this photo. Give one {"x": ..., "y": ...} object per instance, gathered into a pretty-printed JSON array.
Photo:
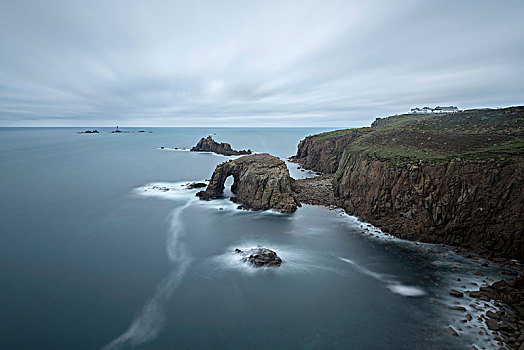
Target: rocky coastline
[
  {"x": 458, "y": 186},
  {"x": 432, "y": 181}
]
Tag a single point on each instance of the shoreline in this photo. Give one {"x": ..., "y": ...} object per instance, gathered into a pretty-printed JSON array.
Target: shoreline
[{"x": 468, "y": 303}]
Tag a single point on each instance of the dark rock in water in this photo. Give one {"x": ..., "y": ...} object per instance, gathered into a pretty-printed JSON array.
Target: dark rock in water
[
  {"x": 453, "y": 331},
  {"x": 210, "y": 145},
  {"x": 261, "y": 182},
  {"x": 160, "y": 188},
  {"x": 141, "y": 131},
  {"x": 456, "y": 293},
  {"x": 162, "y": 147},
  {"x": 89, "y": 132},
  {"x": 193, "y": 185},
  {"x": 260, "y": 257},
  {"x": 458, "y": 308}
]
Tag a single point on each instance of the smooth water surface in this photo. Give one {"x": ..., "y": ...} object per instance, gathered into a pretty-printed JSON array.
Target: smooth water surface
[{"x": 93, "y": 257}]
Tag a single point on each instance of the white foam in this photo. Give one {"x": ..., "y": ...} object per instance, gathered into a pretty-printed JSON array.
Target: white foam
[
  {"x": 174, "y": 149},
  {"x": 168, "y": 190},
  {"x": 151, "y": 319},
  {"x": 363, "y": 270},
  {"x": 407, "y": 291},
  {"x": 293, "y": 260},
  {"x": 391, "y": 283}
]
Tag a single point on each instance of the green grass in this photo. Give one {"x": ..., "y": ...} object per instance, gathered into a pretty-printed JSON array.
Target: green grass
[
  {"x": 396, "y": 155},
  {"x": 342, "y": 132},
  {"x": 508, "y": 149}
]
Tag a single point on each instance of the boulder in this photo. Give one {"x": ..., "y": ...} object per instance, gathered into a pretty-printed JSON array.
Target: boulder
[
  {"x": 456, "y": 293},
  {"x": 259, "y": 257}
]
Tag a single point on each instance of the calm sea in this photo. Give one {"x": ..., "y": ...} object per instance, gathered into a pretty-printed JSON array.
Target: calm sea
[{"x": 92, "y": 256}]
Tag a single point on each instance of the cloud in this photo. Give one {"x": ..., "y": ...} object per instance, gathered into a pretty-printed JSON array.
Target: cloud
[{"x": 253, "y": 63}]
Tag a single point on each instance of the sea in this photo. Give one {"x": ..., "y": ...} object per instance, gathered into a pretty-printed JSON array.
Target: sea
[{"x": 102, "y": 246}]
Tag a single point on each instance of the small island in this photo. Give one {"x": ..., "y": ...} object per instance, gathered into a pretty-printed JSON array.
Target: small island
[
  {"x": 210, "y": 145},
  {"x": 261, "y": 182}
]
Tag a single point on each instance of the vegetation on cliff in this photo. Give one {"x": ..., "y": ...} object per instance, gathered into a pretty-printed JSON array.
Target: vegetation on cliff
[
  {"x": 442, "y": 178},
  {"x": 413, "y": 138}
]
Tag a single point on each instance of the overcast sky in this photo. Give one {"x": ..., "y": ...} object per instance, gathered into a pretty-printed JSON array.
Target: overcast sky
[{"x": 253, "y": 63}]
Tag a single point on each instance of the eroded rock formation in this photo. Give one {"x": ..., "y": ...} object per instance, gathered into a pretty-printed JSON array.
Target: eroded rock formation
[
  {"x": 210, "y": 145},
  {"x": 261, "y": 182}
]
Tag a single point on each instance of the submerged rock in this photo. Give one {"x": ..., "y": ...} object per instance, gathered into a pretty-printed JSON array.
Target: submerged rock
[
  {"x": 261, "y": 182},
  {"x": 260, "y": 257},
  {"x": 210, "y": 145}
]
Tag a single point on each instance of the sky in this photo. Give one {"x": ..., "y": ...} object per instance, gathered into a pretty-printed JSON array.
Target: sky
[{"x": 252, "y": 62}]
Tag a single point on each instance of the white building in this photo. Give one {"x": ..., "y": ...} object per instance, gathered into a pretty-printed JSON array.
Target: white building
[{"x": 438, "y": 109}]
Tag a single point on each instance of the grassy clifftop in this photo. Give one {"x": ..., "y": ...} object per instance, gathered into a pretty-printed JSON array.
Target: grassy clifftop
[{"x": 476, "y": 134}]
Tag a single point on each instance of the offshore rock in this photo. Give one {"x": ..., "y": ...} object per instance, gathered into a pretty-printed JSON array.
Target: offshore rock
[
  {"x": 210, "y": 145},
  {"x": 261, "y": 182},
  {"x": 260, "y": 257},
  {"x": 193, "y": 185}
]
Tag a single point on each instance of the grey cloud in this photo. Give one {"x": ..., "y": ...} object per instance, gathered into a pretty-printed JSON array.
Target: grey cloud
[{"x": 272, "y": 63}]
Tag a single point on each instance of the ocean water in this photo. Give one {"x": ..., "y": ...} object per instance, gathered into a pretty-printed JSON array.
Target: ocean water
[{"x": 94, "y": 256}]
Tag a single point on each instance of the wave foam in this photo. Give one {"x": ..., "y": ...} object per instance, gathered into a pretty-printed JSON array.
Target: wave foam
[{"x": 391, "y": 283}]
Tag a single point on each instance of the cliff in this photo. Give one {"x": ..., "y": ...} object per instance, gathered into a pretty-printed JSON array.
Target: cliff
[
  {"x": 210, "y": 145},
  {"x": 449, "y": 178},
  {"x": 322, "y": 152},
  {"x": 261, "y": 182}
]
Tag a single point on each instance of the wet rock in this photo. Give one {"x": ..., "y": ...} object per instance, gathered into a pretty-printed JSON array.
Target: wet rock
[
  {"x": 496, "y": 315},
  {"x": 458, "y": 308},
  {"x": 456, "y": 293},
  {"x": 193, "y": 185},
  {"x": 492, "y": 325},
  {"x": 453, "y": 331},
  {"x": 260, "y": 257}
]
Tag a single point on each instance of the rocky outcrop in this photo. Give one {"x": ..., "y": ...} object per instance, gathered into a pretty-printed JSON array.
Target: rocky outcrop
[
  {"x": 508, "y": 322},
  {"x": 261, "y": 182},
  {"x": 260, "y": 257},
  {"x": 194, "y": 185},
  {"x": 473, "y": 204},
  {"x": 316, "y": 190},
  {"x": 210, "y": 145},
  {"x": 322, "y": 152}
]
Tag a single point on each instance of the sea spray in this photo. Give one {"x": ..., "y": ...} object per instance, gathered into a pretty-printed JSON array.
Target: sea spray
[
  {"x": 151, "y": 319},
  {"x": 392, "y": 284}
]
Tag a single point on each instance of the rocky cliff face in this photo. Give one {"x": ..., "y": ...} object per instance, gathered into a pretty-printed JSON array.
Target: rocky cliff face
[
  {"x": 474, "y": 204},
  {"x": 322, "y": 152},
  {"x": 261, "y": 182},
  {"x": 455, "y": 179},
  {"x": 210, "y": 145}
]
